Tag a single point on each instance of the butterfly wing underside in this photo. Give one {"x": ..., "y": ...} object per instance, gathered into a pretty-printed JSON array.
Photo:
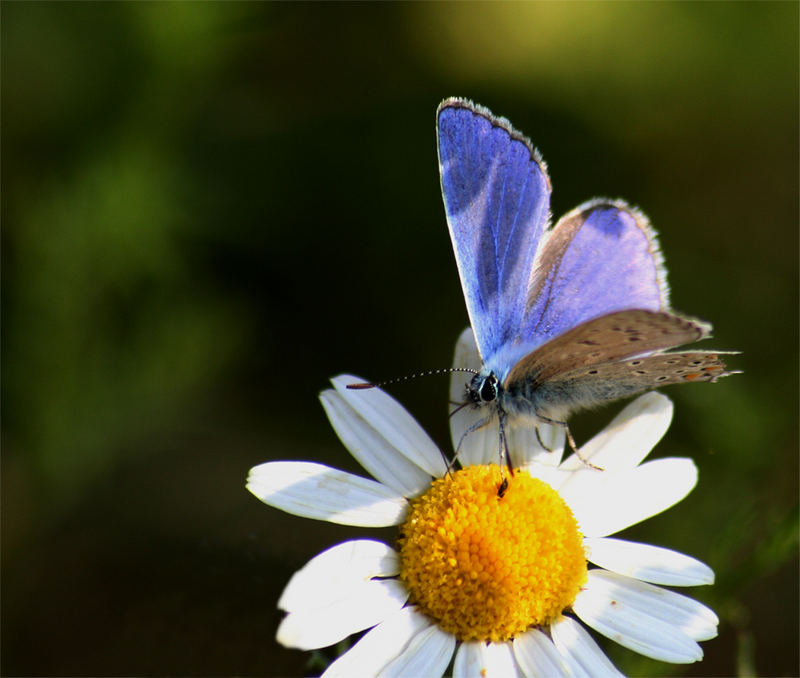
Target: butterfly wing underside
[
  {"x": 497, "y": 199},
  {"x": 593, "y": 385},
  {"x": 610, "y": 338},
  {"x": 612, "y": 357}
]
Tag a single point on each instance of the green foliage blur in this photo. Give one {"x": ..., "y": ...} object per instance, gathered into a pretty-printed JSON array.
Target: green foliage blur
[{"x": 210, "y": 208}]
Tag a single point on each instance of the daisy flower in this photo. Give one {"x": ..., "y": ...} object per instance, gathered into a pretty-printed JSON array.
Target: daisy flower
[{"x": 489, "y": 567}]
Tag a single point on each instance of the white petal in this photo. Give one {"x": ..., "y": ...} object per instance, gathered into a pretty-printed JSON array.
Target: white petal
[
  {"x": 379, "y": 646},
  {"x": 371, "y": 449},
  {"x": 606, "y": 502},
  {"x": 525, "y": 443},
  {"x": 690, "y": 616},
  {"x": 323, "y": 493},
  {"x": 651, "y": 639},
  {"x": 477, "y": 659},
  {"x": 617, "y": 613},
  {"x": 583, "y": 656},
  {"x": 394, "y": 423},
  {"x": 630, "y": 436},
  {"x": 332, "y": 574},
  {"x": 552, "y": 475},
  {"x": 365, "y": 606},
  {"x": 538, "y": 656},
  {"x": 480, "y": 446},
  {"x": 648, "y": 563},
  {"x": 428, "y": 654},
  {"x": 466, "y": 357}
]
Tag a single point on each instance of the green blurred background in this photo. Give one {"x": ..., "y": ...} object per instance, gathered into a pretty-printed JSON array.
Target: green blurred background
[{"x": 209, "y": 209}]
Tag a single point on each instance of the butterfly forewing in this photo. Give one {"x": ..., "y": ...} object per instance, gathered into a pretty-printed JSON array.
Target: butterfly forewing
[
  {"x": 497, "y": 200},
  {"x": 609, "y": 338}
]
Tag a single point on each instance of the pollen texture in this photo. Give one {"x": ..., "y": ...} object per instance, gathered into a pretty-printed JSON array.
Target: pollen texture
[{"x": 485, "y": 566}]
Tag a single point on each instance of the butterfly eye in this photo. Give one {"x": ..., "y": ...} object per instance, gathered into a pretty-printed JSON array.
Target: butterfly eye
[
  {"x": 488, "y": 389},
  {"x": 482, "y": 389}
]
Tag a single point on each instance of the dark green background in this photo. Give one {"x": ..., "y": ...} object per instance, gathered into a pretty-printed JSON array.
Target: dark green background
[{"x": 208, "y": 209}]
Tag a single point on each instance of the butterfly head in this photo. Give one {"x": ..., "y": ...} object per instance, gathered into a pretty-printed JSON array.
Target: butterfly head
[{"x": 483, "y": 388}]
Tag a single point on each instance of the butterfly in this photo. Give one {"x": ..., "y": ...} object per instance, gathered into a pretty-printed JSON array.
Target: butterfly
[{"x": 566, "y": 317}]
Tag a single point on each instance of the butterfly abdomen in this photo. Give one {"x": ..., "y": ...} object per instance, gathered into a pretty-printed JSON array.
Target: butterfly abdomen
[{"x": 550, "y": 401}]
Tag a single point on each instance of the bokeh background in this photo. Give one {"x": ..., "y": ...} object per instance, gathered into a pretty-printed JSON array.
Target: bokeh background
[{"x": 209, "y": 209}]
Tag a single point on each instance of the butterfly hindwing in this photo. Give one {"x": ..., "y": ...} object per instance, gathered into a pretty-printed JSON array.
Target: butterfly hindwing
[
  {"x": 497, "y": 199},
  {"x": 609, "y": 338},
  {"x": 595, "y": 384}
]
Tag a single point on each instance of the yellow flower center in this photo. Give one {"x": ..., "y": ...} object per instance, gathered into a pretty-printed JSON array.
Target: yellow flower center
[{"x": 487, "y": 563}]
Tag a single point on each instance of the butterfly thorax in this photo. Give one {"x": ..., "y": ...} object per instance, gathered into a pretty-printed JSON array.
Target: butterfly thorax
[
  {"x": 517, "y": 401},
  {"x": 527, "y": 399}
]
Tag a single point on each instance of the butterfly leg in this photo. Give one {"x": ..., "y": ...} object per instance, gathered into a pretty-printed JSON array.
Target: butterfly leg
[
  {"x": 448, "y": 463},
  {"x": 571, "y": 440},
  {"x": 541, "y": 442},
  {"x": 476, "y": 426},
  {"x": 504, "y": 453}
]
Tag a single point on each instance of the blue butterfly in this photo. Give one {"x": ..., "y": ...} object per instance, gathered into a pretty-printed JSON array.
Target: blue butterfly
[{"x": 565, "y": 317}]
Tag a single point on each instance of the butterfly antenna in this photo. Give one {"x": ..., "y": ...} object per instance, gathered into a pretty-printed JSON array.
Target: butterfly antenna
[{"x": 379, "y": 384}]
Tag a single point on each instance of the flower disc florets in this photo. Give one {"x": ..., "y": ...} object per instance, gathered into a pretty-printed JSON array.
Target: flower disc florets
[{"x": 487, "y": 562}]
